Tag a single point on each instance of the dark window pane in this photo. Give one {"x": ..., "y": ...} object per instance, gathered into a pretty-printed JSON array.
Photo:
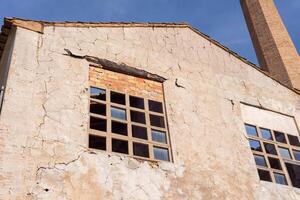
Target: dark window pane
[
  {"x": 116, "y": 97},
  {"x": 260, "y": 160},
  {"x": 159, "y": 136},
  {"x": 97, "y": 142},
  {"x": 294, "y": 140},
  {"x": 279, "y": 137},
  {"x": 119, "y": 146},
  {"x": 270, "y": 148},
  {"x": 118, "y": 128},
  {"x": 251, "y": 130},
  {"x": 294, "y": 172},
  {"x": 118, "y": 113},
  {"x": 155, "y": 106},
  {"x": 274, "y": 163},
  {"x": 280, "y": 178},
  {"x": 136, "y": 102},
  {"x": 266, "y": 134},
  {"x": 264, "y": 175},
  {"x": 157, "y": 121},
  {"x": 255, "y": 145},
  {"x": 161, "y": 153},
  {"x": 97, "y": 93},
  {"x": 285, "y": 153},
  {"x": 98, "y": 124},
  {"x": 137, "y": 117},
  {"x": 139, "y": 132},
  {"x": 140, "y": 150},
  {"x": 97, "y": 108},
  {"x": 296, "y": 155}
]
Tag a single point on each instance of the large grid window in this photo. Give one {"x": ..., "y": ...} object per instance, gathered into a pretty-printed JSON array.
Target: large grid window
[
  {"x": 127, "y": 124},
  {"x": 276, "y": 154}
]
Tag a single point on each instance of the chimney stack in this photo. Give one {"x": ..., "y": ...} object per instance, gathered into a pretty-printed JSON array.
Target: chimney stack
[{"x": 274, "y": 48}]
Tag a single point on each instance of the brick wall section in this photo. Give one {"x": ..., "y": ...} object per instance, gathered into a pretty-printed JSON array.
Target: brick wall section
[
  {"x": 126, "y": 84},
  {"x": 274, "y": 48}
]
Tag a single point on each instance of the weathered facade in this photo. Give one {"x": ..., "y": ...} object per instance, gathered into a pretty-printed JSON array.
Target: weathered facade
[{"x": 208, "y": 91}]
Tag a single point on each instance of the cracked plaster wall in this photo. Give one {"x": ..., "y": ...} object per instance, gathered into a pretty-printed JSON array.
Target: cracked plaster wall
[{"x": 43, "y": 123}]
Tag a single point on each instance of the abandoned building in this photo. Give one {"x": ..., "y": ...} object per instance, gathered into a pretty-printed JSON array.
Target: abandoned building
[{"x": 138, "y": 111}]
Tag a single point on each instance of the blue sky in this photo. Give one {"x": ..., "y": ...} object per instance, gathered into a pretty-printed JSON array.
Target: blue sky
[{"x": 221, "y": 19}]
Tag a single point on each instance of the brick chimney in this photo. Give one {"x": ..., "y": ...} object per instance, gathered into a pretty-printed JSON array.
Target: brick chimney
[{"x": 274, "y": 48}]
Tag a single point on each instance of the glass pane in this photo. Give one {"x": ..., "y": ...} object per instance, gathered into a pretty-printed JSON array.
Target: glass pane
[
  {"x": 280, "y": 178},
  {"x": 139, "y": 132},
  {"x": 294, "y": 172},
  {"x": 137, "y": 117},
  {"x": 136, "y": 102},
  {"x": 155, "y": 106},
  {"x": 141, "y": 150},
  {"x": 270, "y": 148},
  {"x": 118, "y": 128},
  {"x": 274, "y": 163},
  {"x": 116, "y": 97},
  {"x": 296, "y": 155},
  {"x": 255, "y": 145},
  {"x": 119, "y": 146},
  {"x": 97, "y": 108},
  {"x": 98, "y": 93},
  {"x": 260, "y": 160},
  {"x": 279, "y": 137},
  {"x": 294, "y": 140},
  {"x": 264, "y": 175},
  {"x": 157, "y": 121},
  {"x": 161, "y": 153},
  {"x": 251, "y": 130},
  {"x": 159, "y": 136},
  {"x": 285, "y": 153},
  {"x": 266, "y": 134},
  {"x": 118, "y": 113},
  {"x": 97, "y": 142},
  {"x": 98, "y": 124}
]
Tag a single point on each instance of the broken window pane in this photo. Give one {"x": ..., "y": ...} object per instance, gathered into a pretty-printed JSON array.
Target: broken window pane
[
  {"x": 270, "y": 148},
  {"x": 98, "y": 124},
  {"x": 97, "y": 142},
  {"x": 97, "y": 108},
  {"x": 266, "y": 134},
  {"x": 274, "y": 163},
  {"x": 157, "y": 121},
  {"x": 161, "y": 153},
  {"x": 296, "y": 155},
  {"x": 285, "y": 153},
  {"x": 137, "y": 117},
  {"x": 118, "y": 98},
  {"x": 251, "y": 130},
  {"x": 136, "y": 102},
  {"x": 118, "y": 113},
  {"x": 294, "y": 173},
  {"x": 155, "y": 106},
  {"x": 280, "y": 137},
  {"x": 119, "y": 146},
  {"x": 140, "y": 150},
  {"x": 98, "y": 93},
  {"x": 294, "y": 140},
  {"x": 260, "y": 160},
  {"x": 280, "y": 178},
  {"x": 139, "y": 132},
  {"x": 264, "y": 175},
  {"x": 159, "y": 136},
  {"x": 255, "y": 145},
  {"x": 118, "y": 128}
]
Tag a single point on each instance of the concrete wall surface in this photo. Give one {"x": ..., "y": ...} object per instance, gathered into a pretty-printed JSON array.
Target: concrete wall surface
[{"x": 44, "y": 120}]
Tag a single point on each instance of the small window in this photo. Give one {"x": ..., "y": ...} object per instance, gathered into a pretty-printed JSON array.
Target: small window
[
  {"x": 285, "y": 153},
  {"x": 136, "y": 102},
  {"x": 118, "y": 98},
  {"x": 280, "y": 178},
  {"x": 141, "y": 150},
  {"x": 155, "y": 106},
  {"x": 97, "y": 93},
  {"x": 294, "y": 171},
  {"x": 264, "y": 175},
  {"x": 159, "y": 136},
  {"x": 274, "y": 163},
  {"x": 97, "y": 108},
  {"x": 270, "y": 148},
  {"x": 251, "y": 130},
  {"x": 161, "y": 154},
  {"x": 118, "y": 113},
  {"x": 280, "y": 137},
  {"x": 294, "y": 140},
  {"x": 97, "y": 124},
  {"x": 96, "y": 142},
  {"x": 119, "y": 128},
  {"x": 260, "y": 160},
  {"x": 120, "y": 146},
  {"x": 157, "y": 121},
  {"x": 296, "y": 155},
  {"x": 266, "y": 134},
  {"x": 137, "y": 117},
  {"x": 255, "y": 145},
  {"x": 139, "y": 132}
]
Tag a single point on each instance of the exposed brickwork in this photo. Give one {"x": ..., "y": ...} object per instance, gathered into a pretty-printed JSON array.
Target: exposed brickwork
[
  {"x": 126, "y": 84},
  {"x": 274, "y": 48}
]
